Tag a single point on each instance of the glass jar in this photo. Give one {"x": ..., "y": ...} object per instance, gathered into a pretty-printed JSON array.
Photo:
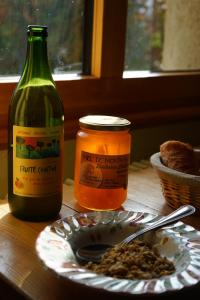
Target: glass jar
[{"x": 101, "y": 163}]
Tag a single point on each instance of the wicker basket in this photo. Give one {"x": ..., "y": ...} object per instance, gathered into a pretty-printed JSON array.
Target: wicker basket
[{"x": 178, "y": 188}]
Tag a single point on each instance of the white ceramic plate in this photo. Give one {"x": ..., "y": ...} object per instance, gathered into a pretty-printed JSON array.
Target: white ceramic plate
[{"x": 179, "y": 242}]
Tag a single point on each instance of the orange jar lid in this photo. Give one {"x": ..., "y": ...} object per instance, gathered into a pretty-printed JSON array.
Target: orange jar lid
[{"x": 102, "y": 122}]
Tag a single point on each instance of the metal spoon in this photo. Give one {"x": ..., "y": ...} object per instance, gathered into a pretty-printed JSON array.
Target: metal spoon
[{"x": 94, "y": 252}]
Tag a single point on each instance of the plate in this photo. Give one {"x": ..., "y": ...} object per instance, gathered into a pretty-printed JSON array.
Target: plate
[{"x": 179, "y": 242}]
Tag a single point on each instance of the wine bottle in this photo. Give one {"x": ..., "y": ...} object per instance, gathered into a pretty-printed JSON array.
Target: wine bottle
[{"x": 35, "y": 136}]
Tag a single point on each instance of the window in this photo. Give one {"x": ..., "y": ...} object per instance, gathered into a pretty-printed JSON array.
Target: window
[
  {"x": 146, "y": 98},
  {"x": 144, "y": 38},
  {"x": 163, "y": 35},
  {"x": 65, "y": 21}
]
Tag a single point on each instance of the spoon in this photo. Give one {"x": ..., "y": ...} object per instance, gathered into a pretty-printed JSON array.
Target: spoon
[{"x": 94, "y": 252}]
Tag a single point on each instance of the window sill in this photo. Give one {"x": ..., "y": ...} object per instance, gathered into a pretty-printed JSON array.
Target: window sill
[
  {"x": 149, "y": 74},
  {"x": 146, "y": 101}
]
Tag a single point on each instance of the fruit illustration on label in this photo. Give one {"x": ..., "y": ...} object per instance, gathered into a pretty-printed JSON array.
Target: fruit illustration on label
[{"x": 18, "y": 183}]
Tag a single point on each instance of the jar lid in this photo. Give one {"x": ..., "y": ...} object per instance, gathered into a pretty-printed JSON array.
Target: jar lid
[{"x": 101, "y": 122}]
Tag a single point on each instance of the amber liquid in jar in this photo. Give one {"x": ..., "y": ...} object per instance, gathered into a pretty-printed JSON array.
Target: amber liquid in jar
[{"x": 101, "y": 163}]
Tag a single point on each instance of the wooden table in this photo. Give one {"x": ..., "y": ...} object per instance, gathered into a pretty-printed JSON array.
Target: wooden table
[{"x": 22, "y": 274}]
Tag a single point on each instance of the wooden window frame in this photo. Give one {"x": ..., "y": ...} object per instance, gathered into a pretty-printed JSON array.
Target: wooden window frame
[{"x": 146, "y": 100}]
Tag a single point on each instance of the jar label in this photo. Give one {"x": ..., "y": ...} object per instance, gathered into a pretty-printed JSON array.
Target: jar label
[
  {"x": 37, "y": 160},
  {"x": 104, "y": 171}
]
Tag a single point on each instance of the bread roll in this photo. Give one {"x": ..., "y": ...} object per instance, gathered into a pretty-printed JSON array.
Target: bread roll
[{"x": 179, "y": 156}]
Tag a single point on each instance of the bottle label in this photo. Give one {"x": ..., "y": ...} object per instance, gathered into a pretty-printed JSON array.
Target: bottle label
[
  {"x": 37, "y": 160},
  {"x": 104, "y": 171}
]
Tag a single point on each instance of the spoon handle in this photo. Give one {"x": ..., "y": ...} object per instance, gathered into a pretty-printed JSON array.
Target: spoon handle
[{"x": 181, "y": 212}]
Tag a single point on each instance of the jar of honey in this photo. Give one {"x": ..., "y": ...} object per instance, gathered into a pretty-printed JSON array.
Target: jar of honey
[{"x": 101, "y": 163}]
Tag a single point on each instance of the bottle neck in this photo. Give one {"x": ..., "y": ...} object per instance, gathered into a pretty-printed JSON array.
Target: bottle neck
[{"x": 36, "y": 63}]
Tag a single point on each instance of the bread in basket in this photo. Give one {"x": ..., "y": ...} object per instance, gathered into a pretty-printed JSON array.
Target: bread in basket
[{"x": 178, "y": 187}]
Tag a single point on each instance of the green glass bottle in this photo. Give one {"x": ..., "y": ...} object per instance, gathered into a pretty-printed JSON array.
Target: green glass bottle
[{"x": 35, "y": 136}]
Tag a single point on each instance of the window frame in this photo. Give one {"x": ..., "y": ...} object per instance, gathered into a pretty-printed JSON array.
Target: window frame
[{"x": 146, "y": 100}]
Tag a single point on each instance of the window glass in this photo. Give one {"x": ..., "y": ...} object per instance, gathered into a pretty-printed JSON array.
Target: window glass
[
  {"x": 163, "y": 35},
  {"x": 64, "y": 19}
]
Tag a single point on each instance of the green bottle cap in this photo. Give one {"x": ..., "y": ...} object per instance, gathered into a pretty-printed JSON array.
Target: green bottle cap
[{"x": 37, "y": 30}]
